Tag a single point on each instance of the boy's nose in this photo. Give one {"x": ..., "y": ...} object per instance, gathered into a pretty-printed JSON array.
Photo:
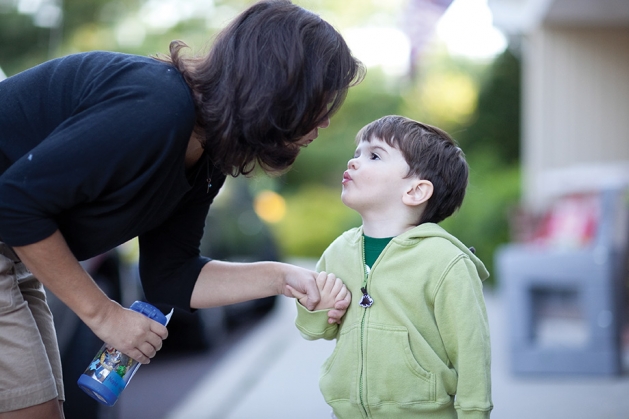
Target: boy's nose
[{"x": 351, "y": 164}]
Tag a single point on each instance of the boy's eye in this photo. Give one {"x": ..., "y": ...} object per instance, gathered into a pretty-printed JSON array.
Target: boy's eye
[{"x": 374, "y": 156}]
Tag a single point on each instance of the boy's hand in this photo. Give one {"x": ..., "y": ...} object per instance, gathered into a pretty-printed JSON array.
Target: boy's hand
[
  {"x": 331, "y": 289},
  {"x": 340, "y": 308}
]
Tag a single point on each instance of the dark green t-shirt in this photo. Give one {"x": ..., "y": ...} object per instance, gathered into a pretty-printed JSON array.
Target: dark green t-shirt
[{"x": 373, "y": 248}]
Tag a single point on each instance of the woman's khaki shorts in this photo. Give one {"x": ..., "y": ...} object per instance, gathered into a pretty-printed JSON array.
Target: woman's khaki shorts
[{"x": 30, "y": 365}]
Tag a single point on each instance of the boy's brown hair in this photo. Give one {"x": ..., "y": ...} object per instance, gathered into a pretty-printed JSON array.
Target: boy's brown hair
[{"x": 431, "y": 154}]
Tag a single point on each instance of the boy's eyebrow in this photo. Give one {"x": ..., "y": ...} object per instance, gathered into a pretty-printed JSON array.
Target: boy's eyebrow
[{"x": 372, "y": 147}]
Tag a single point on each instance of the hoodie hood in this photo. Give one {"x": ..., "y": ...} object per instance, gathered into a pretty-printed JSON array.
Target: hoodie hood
[{"x": 428, "y": 230}]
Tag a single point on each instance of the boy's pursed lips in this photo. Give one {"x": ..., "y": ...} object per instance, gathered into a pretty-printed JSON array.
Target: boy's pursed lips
[{"x": 346, "y": 177}]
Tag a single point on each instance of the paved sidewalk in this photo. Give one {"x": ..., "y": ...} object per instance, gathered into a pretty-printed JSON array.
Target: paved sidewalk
[{"x": 273, "y": 373}]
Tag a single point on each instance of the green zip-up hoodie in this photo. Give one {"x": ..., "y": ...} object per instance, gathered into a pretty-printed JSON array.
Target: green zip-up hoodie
[{"x": 424, "y": 340}]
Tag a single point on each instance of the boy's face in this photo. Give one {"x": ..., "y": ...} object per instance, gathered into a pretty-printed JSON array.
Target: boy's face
[{"x": 375, "y": 179}]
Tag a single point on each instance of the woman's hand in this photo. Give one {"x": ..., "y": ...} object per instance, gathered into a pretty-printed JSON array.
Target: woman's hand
[
  {"x": 52, "y": 263},
  {"x": 303, "y": 283},
  {"x": 132, "y": 333}
]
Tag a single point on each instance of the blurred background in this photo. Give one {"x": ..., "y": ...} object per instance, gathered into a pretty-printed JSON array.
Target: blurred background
[{"x": 536, "y": 92}]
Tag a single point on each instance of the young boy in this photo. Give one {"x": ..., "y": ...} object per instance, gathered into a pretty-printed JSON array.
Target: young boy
[{"x": 415, "y": 339}]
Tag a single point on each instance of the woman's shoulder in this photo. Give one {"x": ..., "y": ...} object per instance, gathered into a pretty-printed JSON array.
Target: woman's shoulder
[
  {"x": 135, "y": 82},
  {"x": 130, "y": 94},
  {"x": 111, "y": 69}
]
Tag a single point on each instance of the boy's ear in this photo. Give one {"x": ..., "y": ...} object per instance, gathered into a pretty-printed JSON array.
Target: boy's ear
[{"x": 419, "y": 192}]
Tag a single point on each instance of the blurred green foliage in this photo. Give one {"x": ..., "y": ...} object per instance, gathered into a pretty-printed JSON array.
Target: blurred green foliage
[
  {"x": 21, "y": 44},
  {"x": 495, "y": 126},
  {"x": 121, "y": 25},
  {"x": 482, "y": 221},
  {"x": 315, "y": 217}
]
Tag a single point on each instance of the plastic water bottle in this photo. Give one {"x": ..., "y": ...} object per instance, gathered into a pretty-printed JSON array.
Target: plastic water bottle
[{"x": 110, "y": 371}]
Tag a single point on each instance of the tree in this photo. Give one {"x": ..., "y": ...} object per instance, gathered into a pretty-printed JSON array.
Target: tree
[
  {"x": 495, "y": 126},
  {"x": 21, "y": 42}
]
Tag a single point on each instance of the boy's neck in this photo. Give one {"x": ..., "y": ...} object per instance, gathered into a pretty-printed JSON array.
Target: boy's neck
[
  {"x": 385, "y": 227},
  {"x": 390, "y": 220}
]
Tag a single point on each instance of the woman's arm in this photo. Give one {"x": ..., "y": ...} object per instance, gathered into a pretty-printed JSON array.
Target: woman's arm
[
  {"x": 222, "y": 283},
  {"x": 54, "y": 265}
]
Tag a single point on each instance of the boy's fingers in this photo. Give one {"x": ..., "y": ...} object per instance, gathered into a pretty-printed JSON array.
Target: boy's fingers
[
  {"x": 344, "y": 303},
  {"x": 334, "y": 316},
  {"x": 330, "y": 283},
  {"x": 321, "y": 279},
  {"x": 337, "y": 286},
  {"x": 325, "y": 285},
  {"x": 342, "y": 293}
]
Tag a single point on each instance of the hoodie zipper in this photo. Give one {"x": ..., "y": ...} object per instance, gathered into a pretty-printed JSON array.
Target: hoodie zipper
[{"x": 365, "y": 302}]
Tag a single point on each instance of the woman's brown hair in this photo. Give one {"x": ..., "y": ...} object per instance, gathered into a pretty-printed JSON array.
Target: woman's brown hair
[{"x": 271, "y": 76}]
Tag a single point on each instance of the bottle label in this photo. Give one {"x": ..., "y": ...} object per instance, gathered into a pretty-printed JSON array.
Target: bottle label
[{"x": 112, "y": 368}]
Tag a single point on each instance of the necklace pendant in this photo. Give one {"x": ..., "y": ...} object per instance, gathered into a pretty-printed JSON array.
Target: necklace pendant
[
  {"x": 366, "y": 301},
  {"x": 209, "y": 185}
]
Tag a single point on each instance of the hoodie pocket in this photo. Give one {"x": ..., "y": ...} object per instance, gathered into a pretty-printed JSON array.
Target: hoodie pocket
[
  {"x": 392, "y": 374},
  {"x": 339, "y": 373}
]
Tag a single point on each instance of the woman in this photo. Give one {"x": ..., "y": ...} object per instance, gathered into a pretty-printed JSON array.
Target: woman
[{"x": 100, "y": 147}]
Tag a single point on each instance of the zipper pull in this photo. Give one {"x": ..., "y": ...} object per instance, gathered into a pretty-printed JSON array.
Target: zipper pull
[{"x": 366, "y": 301}]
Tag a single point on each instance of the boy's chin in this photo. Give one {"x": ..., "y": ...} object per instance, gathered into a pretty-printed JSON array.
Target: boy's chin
[{"x": 347, "y": 202}]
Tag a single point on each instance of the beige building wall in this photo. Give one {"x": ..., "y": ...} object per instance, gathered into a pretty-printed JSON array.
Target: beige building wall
[{"x": 576, "y": 110}]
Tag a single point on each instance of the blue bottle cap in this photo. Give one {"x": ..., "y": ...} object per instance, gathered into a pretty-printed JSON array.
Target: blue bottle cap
[
  {"x": 97, "y": 390},
  {"x": 149, "y": 311}
]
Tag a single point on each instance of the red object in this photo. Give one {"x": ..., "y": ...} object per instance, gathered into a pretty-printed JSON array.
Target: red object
[{"x": 571, "y": 222}]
